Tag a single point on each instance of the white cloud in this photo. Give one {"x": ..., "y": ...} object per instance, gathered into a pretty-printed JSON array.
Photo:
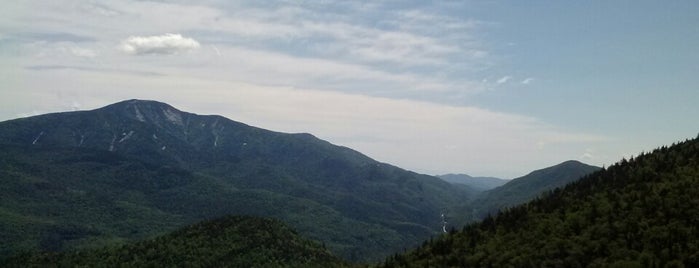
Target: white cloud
[
  {"x": 588, "y": 155},
  {"x": 418, "y": 17},
  {"x": 158, "y": 44},
  {"x": 363, "y": 56},
  {"x": 503, "y": 80},
  {"x": 99, "y": 9},
  {"x": 411, "y": 40},
  {"x": 57, "y": 53},
  {"x": 257, "y": 66},
  {"x": 527, "y": 80}
]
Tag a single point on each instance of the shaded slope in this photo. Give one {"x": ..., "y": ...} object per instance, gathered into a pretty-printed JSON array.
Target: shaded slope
[
  {"x": 528, "y": 187},
  {"x": 144, "y": 167},
  {"x": 638, "y": 213},
  {"x": 226, "y": 242}
]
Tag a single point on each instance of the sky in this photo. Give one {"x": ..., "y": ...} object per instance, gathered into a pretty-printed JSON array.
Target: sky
[{"x": 486, "y": 88}]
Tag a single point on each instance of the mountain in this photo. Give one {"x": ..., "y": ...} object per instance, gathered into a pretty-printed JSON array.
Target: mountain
[
  {"x": 528, "y": 187},
  {"x": 641, "y": 212},
  {"x": 227, "y": 242},
  {"x": 477, "y": 183},
  {"x": 135, "y": 169}
]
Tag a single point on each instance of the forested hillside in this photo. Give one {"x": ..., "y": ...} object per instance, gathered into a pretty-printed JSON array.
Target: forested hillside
[
  {"x": 227, "y": 242},
  {"x": 530, "y": 186},
  {"x": 641, "y": 212},
  {"x": 136, "y": 168}
]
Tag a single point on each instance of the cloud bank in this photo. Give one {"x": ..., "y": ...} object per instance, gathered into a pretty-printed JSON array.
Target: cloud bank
[{"x": 158, "y": 44}]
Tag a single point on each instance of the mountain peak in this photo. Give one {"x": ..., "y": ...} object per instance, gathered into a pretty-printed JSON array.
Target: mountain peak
[
  {"x": 138, "y": 102},
  {"x": 146, "y": 111},
  {"x": 572, "y": 163}
]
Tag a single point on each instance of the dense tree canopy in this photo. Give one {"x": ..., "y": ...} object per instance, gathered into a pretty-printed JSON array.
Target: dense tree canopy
[{"x": 234, "y": 241}]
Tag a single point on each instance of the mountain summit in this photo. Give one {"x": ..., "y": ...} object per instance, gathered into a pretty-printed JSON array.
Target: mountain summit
[{"x": 138, "y": 168}]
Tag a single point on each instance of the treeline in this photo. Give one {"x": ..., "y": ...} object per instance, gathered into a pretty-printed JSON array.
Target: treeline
[{"x": 640, "y": 212}]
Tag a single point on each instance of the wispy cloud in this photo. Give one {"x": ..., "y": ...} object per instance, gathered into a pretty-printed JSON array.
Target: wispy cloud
[
  {"x": 503, "y": 80},
  {"x": 80, "y": 52},
  {"x": 48, "y": 37},
  {"x": 423, "y": 136},
  {"x": 90, "y": 69},
  {"x": 158, "y": 44},
  {"x": 342, "y": 70},
  {"x": 391, "y": 52},
  {"x": 527, "y": 81},
  {"x": 406, "y": 42},
  {"x": 588, "y": 155}
]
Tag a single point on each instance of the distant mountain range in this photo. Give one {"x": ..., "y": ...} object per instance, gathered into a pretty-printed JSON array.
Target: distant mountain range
[
  {"x": 136, "y": 169},
  {"x": 477, "y": 183}
]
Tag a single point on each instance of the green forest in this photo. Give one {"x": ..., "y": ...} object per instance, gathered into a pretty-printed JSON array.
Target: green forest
[
  {"x": 74, "y": 189},
  {"x": 640, "y": 212},
  {"x": 234, "y": 241},
  {"x": 78, "y": 196}
]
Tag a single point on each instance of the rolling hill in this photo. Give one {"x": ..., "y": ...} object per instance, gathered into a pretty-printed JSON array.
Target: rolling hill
[{"x": 226, "y": 242}]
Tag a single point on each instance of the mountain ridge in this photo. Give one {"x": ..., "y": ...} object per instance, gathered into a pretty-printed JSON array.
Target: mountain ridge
[
  {"x": 522, "y": 189},
  {"x": 149, "y": 161}
]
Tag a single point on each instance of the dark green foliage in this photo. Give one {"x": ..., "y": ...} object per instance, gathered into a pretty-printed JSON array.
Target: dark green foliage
[
  {"x": 642, "y": 212},
  {"x": 136, "y": 169},
  {"x": 234, "y": 241}
]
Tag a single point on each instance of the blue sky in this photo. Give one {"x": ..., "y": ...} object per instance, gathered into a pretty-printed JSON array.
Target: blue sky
[{"x": 489, "y": 88}]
